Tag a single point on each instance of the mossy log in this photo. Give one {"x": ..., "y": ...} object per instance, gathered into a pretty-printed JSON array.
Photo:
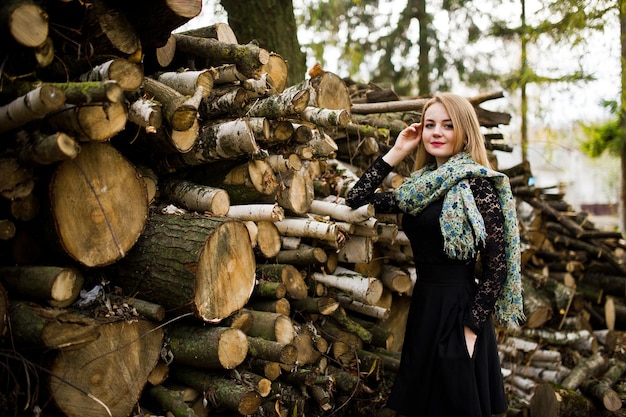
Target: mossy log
[
  {"x": 58, "y": 286},
  {"x": 208, "y": 347},
  {"x": 226, "y": 394}
]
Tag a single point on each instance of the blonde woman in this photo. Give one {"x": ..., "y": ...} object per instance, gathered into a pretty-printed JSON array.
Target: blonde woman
[{"x": 456, "y": 209}]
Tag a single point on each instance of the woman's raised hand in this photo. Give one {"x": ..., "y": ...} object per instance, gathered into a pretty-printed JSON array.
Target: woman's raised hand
[{"x": 405, "y": 144}]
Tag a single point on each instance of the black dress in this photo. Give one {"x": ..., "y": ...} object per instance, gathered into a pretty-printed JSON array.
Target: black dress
[{"x": 437, "y": 376}]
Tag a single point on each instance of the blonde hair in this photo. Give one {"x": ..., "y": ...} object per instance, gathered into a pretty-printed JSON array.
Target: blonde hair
[{"x": 467, "y": 134}]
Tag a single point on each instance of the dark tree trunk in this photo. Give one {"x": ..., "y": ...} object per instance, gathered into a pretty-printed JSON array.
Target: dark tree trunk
[{"x": 273, "y": 24}]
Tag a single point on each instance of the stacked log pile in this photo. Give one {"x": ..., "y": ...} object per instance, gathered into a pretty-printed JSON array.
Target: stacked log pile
[{"x": 174, "y": 241}]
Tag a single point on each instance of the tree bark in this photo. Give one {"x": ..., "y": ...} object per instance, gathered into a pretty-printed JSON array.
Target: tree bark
[
  {"x": 197, "y": 197},
  {"x": 58, "y": 286},
  {"x": 226, "y": 394},
  {"x": 206, "y": 264},
  {"x": 36, "y": 326},
  {"x": 208, "y": 347},
  {"x": 249, "y": 58},
  {"x": 129, "y": 75},
  {"x": 32, "y": 106}
]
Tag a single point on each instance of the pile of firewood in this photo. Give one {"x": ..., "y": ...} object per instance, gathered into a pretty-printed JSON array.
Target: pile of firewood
[{"x": 173, "y": 238}]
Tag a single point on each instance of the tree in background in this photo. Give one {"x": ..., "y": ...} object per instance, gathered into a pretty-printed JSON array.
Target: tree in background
[
  {"x": 273, "y": 25},
  {"x": 397, "y": 43},
  {"x": 557, "y": 23}
]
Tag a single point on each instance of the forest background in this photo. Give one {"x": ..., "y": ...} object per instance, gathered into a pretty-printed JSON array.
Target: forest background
[{"x": 559, "y": 64}]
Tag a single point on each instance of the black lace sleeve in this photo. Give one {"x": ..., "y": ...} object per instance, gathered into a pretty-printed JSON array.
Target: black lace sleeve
[
  {"x": 493, "y": 257},
  {"x": 364, "y": 191}
]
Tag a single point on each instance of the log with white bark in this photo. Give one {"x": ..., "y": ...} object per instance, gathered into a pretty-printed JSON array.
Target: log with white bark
[
  {"x": 128, "y": 75},
  {"x": 368, "y": 290},
  {"x": 197, "y": 197},
  {"x": 226, "y": 74},
  {"x": 179, "y": 111},
  {"x": 284, "y": 163},
  {"x": 601, "y": 388},
  {"x": 302, "y": 227},
  {"x": 82, "y": 92},
  {"x": 257, "y": 212},
  {"x": 396, "y": 279},
  {"x": 187, "y": 82},
  {"x": 584, "y": 370},
  {"x": 374, "y": 311},
  {"x": 258, "y": 87},
  {"x": 288, "y": 103},
  {"x": 146, "y": 113},
  {"x": 342, "y": 212},
  {"x": 222, "y": 102},
  {"x": 34, "y": 105},
  {"x": 325, "y": 117}
]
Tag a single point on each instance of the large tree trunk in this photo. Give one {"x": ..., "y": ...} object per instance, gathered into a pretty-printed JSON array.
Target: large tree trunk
[
  {"x": 279, "y": 20},
  {"x": 205, "y": 264}
]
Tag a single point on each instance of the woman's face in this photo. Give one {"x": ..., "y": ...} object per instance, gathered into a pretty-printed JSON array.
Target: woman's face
[{"x": 438, "y": 133}]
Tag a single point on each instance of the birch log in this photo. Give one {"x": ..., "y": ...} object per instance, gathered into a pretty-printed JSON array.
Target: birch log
[
  {"x": 197, "y": 197},
  {"x": 368, "y": 290},
  {"x": 32, "y": 106}
]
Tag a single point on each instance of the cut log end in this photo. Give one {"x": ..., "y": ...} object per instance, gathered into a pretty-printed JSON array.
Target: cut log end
[
  {"x": 225, "y": 276},
  {"x": 233, "y": 348},
  {"x": 99, "y": 204},
  {"x": 28, "y": 25}
]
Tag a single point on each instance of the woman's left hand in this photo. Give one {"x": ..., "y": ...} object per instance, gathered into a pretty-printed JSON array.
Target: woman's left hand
[{"x": 470, "y": 340}]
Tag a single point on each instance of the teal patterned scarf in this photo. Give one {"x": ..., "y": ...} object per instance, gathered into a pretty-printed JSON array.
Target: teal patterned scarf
[{"x": 462, "y": 224}]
